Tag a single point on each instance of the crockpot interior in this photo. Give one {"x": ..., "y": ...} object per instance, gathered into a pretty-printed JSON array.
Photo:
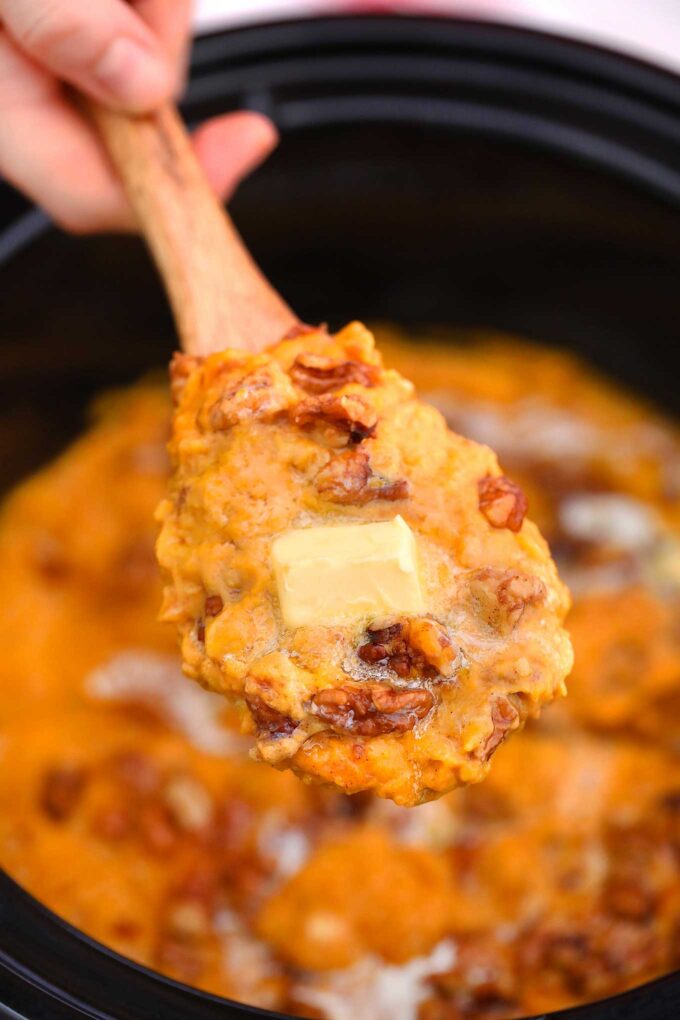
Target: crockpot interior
[{"x": 429, "y": 173}]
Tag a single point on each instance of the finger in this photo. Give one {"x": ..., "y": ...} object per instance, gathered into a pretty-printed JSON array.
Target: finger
[
  {"x": 103, "y": 48},
  {"x": 171, "y": 24},
  {"x": 50, "y": 152},
  {"x": 231, "y": 146}
]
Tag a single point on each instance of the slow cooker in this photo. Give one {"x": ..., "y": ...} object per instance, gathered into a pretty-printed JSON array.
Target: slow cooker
[{"x": 431, "y": 171}]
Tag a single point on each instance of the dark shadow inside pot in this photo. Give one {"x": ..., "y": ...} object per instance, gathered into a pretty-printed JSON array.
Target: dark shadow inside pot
[{"x": 403, "y": 224}]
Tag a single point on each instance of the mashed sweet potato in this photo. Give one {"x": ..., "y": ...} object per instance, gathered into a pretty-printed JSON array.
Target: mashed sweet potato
[
  {"x": 128, "y": 803},
  {"x": 315, "y": 433}
]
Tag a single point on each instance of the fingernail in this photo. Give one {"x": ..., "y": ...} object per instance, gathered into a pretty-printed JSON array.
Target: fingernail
[{"x": 132, "y": 75}]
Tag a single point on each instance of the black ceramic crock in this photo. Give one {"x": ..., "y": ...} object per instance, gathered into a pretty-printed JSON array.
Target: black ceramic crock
[{"x": 431, "y": 171}]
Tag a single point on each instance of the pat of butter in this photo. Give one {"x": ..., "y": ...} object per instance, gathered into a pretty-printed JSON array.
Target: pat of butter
[{"x": 336, "y": 576}]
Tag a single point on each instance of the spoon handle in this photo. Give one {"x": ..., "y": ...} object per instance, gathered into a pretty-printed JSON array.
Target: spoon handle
[{"x": 219, "y": 296}]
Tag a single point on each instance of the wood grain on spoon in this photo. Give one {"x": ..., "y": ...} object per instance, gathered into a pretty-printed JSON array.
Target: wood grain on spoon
[{"x": 219, "y": 296}]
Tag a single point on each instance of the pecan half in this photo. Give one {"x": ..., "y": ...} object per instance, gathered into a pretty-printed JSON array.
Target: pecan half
[
  {"x": 316, "y": 373},
  {"x": 503, "y": 596},
  {"x": 268, "y": 720},
  {"x": 502, "y": 502},
  {"x": 61, "y": 790},
  {"x": 505, "y": 718},
  {"x": 369, "y": 710},
  {"x": 213, "y": 605},
  {"x": 349, "y": 413},
  {"x": 262, "y": 393},
  {"x": 384, "y": 642},
  {"x": 412, "y": 648},
  {"x": 349, "y": 480}
]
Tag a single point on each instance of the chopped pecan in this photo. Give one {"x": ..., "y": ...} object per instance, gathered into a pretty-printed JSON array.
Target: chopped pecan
[
  {"x": 633, "y": 853},
  {"x": 671, "y": 801},
  {"x": 502, "y": 502},
  {"x": 316, "y": 373},
  {"x": 232, "y": 829},
  {"x": 516, "y": 592},
  {"x": 263, "y": 393},
  {"x": 181, "y": 367},
  {"x": 592, "y": 960},
  {"x": 503, "y": 596},
  {"x": 62, "y": 788},
  {"x": 268, "y": 720},
  {"x": 505, "y": 718},
  {"x": 566, "y": 955},
  {"x": 348, "y": 479},
  {"x": 412, "y": 648},
  {"x": 391, "y": 491},
  {"x": 213, "y": 605},
  {"x": 629, "y": 894},
  {"x": 349, "y": 413},
  {"x": 345, "y": 477},
  {"x": 482, "y": 983},
  {"x": 372, "y": 709}
]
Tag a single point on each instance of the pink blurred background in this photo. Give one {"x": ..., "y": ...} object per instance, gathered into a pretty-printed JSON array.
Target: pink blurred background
[{"x": 646, "y": 28}]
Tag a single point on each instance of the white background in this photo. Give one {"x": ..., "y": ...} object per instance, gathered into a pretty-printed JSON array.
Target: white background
[{"x": 645, "y": 28}]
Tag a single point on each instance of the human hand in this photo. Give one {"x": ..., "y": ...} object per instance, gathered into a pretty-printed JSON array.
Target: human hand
[{"x": 131, "y": 56}]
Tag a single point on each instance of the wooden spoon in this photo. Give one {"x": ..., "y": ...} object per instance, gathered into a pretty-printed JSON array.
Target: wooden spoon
[
  {"x": 219, "y": 296},
  {"x": 345, "y": 541}
]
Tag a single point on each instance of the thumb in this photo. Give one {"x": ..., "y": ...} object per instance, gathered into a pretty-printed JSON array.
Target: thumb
[{"x": 102, "y": 47}]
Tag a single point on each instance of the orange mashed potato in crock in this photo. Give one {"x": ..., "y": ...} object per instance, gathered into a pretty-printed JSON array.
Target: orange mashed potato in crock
[{"x": 129, "y": 805}]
